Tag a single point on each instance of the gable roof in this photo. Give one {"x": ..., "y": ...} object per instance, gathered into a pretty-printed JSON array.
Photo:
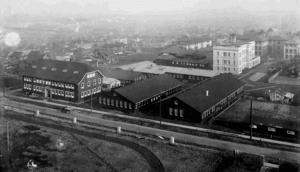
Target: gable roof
[
  {"x": 252, "y": 38},
  {"x": 218, "y": 88},
  {"x": 120, "y": 74},
  {"x": 278, "y": 38},
  {"x": 58, "y": 74},
  {"x": 148, "y": 88}
]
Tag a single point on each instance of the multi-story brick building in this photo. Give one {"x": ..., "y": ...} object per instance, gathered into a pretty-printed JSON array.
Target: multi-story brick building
[
  {"x": 69, "y": 81},
  {"x": 291, "y": 48},
  {"x": 276, "y": 45},
  {"x": 231, "y": 56}
]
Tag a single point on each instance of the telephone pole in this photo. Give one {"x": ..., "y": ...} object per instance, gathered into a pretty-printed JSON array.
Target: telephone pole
[{"x": 8, "y": 136}]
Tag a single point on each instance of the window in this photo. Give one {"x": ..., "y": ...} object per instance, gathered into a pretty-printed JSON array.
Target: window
[
  {"x": 65, "y": 70},
  {"x": 88, "y": 92},
  {"x": 99, "y": 80},
  {"x": 82, "y": 94},
  {"x": 125, "y": 104},
  {"x": 217, "y": 53},
  {"x": 181, "y": 113},
  {"x": 117, "y": 103},
  {"x": 176, "y": 112},
  {"x": 290, "y": 132},
  {"x": 72, "y": 94},
  {"x": 112, "y": 102},
  {"x": 44, "y": 67},
  {"x": 224, "y": 61},
  {"x": 254, "y": 126},
  {"x": 82, "y": 85},
  {"x": 130, "y": 106},
  {"x": 176, "y": 102},
  {"x": 99, "y": 89},
  {"x": 224, "y": 53},
  {"x": 170, "y": 111},
  {"x": 108, "y": 101},
  {"x": 95, "y": 82},
  {"x": 88, "y": 83},
  {"x": 76, "y": 72},
  {"x": 271, "y": 129},
  {"x": 121, "y": 103},
  {"x": 34, "y": 66},
  {"x": 53, "y": 69},
  {"x": 104, "y": 101},
  {"x": 100, "y": 100}
]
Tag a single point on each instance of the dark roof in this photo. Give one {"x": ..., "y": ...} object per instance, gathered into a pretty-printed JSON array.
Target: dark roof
[
  {"x": 252, "y": 38},
  {"x": 173, "y": 50},
  {"x": 166, "y": 57},
  {"x": 218, "y": 88},
  {"x": 16, "y": 54},
  {"x": 34, "y": 55},
  {"x": 120, "y": 74},
  {"x": 58, "y": 74},
  {"x": 148, "y": 88},
  {"x": 293, "y": 41},
  {"x": 273, "y": 122}
]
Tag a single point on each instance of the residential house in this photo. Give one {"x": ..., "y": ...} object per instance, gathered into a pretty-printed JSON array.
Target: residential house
[
  {"x": 69, "y": 81},
  {"x": 282, "y": 96},
  {"x": 201, "y": 102},
  {"x": 140, "y": 94},
  {"x": 232, "y": 56},
  {"x": 291, "y": 48}
]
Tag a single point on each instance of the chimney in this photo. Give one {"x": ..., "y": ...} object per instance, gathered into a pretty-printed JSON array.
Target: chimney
[{"x": 207, "y": 92}]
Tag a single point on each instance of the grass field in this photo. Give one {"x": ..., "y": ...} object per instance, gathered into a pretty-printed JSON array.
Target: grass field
[{"x": 257, "y": 76}]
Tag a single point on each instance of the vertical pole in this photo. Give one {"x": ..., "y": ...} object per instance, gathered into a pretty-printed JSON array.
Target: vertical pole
[
  {"x": 8, "y": 136},
  {"x": 91, "y": 98},
  {"x": 250, "y": 119},
  {"x": 160, "y": 109}
]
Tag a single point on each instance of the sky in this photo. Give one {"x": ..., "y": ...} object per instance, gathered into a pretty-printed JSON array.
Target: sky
[{"x": 142, "y": 6}]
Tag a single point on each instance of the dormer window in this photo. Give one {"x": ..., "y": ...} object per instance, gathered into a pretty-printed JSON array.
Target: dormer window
[
  {"x": 53, "y": 69},
  {"x": 75, "y": 72},
  {"x": 176, "y": 102},
  {"x": 34, "y": 66},
  {"x": 65, "y": 70}
]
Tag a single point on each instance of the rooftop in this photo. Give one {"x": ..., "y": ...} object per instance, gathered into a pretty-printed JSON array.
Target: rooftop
[
  {"x": 218, "y": 88},
  {"x": 173, "y": 50},
  {"x": 228, "y": 43},
  {"x": 120, "y": 74},
  {"x": 295, "y": 40},
  {"x": 55, "y": 70},
  {"x": 148, "y": 88},
  {"x": 252, "y": 38}
]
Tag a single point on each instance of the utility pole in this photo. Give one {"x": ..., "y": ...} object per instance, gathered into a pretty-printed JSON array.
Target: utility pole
[
  {"x": 160, "y": 109},
  {"x": 91, "y": 98},
  {"x": 250, "y": 119}
]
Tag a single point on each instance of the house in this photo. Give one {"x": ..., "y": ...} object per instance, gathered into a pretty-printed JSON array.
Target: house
[
  {"x": 125, "y": 77},
  {"x": 69, "y": 81},
  {"x": 282, "y": 96},
  {"x": 232, "y": 56},
  {"x": 201, "y": 102},
  {"x": 140, "y": 94}
]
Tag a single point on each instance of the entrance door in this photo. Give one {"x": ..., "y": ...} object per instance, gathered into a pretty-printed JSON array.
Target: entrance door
[{"x": 47, "y": 93}]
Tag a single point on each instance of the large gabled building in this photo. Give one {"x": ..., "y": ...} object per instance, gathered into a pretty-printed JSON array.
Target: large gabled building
[
  {"x": 53, "y": 79},
  {"x": 140, "y": 94},
  {"x": 202, "y": 101}
]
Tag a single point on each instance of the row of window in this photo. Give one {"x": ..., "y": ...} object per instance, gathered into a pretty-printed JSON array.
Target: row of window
[
  {"x": 208, "y": 112},
  {"x": 62, "y": 93},
  {"x": 38, "y": 88},
  {"x": 89, "y": 92},
  {"x": 27, "y": 86},
  {"x": 227, "y": 62},
  {"x": 188, "y": 64},
  {"x": 89, "y": 83},
  {"x": 290, "y": 132},
  {"x": 91, "y": 75},
  {"x": 27, "y": 79},
  {"x": 115, "y": 102},
  {"x": 176, "y": 112},
  {"x": 228, "y": 54},
  {"x": 54, "y": 69},
  {"x": 56, "y": 84}
]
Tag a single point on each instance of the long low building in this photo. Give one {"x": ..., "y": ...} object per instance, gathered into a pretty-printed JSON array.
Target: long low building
[
  {"x": 201, "y": 102},
  {"x": 190, "y": 75},
  {"x": 140, "y": 94},
  {"x": 69, "y": 81}
]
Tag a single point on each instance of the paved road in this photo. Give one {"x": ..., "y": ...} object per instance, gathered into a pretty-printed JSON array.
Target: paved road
[{"x": 178, "y": 136}]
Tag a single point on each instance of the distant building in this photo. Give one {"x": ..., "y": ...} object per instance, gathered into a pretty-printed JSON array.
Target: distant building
[
  {"x": 195, "y": 44},
  {"x": 276, "y": 46},
  {"x": 35, "y": 55},
  {"x": 189, "y": 75},
  {"x": 69, "y": 81},
  {"x": 110, "y": 83},
  {"x": 291, "y": 48},
  {"x": 140, "y": 94},
  {"x": 261, "y": 44},
  {"x": 231, "y": 56},
  {"x": 200, "y": 102},
  {"x": 282, "y": 96}
]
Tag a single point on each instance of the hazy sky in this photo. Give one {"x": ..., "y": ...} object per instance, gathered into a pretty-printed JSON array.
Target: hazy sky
[{"x": 142, "y": 6}]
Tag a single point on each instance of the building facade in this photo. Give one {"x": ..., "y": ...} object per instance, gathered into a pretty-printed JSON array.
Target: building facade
[
  {"x": 261, "y": 44},
  {"x": 233, "y": 56},
  {"x": 69, "y": 81},
  {"x": 291, "y": 48},
  {"x": 276, "y": 46}
]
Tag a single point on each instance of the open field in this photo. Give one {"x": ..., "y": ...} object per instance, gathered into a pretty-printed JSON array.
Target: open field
[
  {"x": 114, "y": 157},
  {"x": 286, "y": 80},
  {"x": 257, "y": 76}
]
